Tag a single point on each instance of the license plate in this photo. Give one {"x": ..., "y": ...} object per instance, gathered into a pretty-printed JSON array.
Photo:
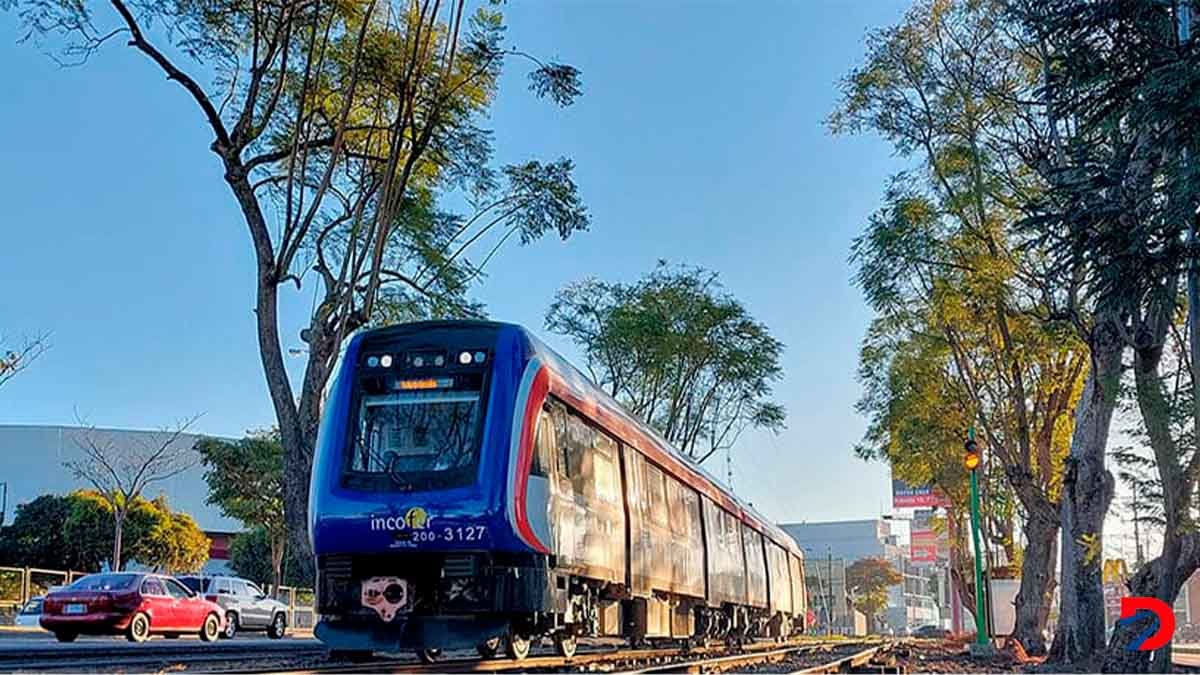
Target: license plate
[{"x": 75, "y": 608}]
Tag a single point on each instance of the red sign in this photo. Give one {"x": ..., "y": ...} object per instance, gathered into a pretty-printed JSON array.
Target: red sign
[
  {"x": 905, "y": 496},
  {"x": 924, "y": 547}
]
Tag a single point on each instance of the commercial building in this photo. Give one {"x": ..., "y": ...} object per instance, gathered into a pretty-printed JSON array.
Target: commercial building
[
  {"x": 33, "y": 462},
  {"x": 911, "y": 603}
]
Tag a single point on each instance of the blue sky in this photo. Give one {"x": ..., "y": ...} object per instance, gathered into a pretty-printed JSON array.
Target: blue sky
[{"x": 699, "y": 139}]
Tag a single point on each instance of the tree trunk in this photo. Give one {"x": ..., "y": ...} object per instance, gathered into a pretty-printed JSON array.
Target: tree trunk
[
  {"x": 1162, "y": 578},
  {"x": 297, "y": 447},
  {"x": 278, "y": 547},
  {"x": 118, "y": 531},
  {"x": 1086, "y": 493},
  {"x": 1037, "y": 575}
]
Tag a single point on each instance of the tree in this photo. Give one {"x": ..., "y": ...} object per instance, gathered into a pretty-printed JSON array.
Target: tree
[
  {"x": 1121, "y": 214},
  {"x": 36, "y": 537},
  {"x": 868, "y": 580},
  {"x": 120, "y": 473},
  {"x": 250, "y": 557},
  {"x": 153, "y": 534},
  {"x": 339, "y": 127},
  {"x": 172, "y": 543},
  {"x": 18, "y": 356},
  {"x": 963, "y": 338},
  {"x": 678, "y": 352},
  {"x": 245, "y": 479}
]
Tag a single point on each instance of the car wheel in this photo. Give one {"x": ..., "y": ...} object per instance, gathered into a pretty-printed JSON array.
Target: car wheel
[
  {"x": 211, "y": 630},
  {"x": 278, "y": 627},
  {"x": 65, "y": 636},
  {"x": 489, "y": 648},
  {"x": 517, "y": 646},
  {"x": 231, "y": 626},
  {"x": 565, "y": 645},
  {"x": 139, "y": 628},
  {"x": 429, "y": 655}
]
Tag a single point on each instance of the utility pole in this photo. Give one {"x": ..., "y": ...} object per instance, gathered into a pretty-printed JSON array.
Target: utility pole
[
  {"x": 971, "y": 462},
  {"x": 829, "y": 588},
  {"x": 3, "y": 501}
]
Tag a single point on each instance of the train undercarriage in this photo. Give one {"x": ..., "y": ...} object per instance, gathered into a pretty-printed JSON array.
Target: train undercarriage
[{"x": 431, "y": 602}]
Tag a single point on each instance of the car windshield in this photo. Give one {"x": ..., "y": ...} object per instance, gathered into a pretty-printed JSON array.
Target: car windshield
[
  {"x": 34, "y": 606},
  {"x": 104, "y": 582},
  {"x": 196, "y": 584},
  {"x": 415, "y": 440}
]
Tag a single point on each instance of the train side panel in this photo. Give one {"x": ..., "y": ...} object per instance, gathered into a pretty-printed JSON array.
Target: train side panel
[
  {"x": 667, "y": 552},
  {"x": 779, "y": 581},
  {"x": 726, "y": 566},
  {"x": 756, "y": 568},
  {"x": 586, "y": 514}
]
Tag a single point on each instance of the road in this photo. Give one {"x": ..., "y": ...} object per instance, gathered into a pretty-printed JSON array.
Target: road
[{"x": 30, "y": 651}]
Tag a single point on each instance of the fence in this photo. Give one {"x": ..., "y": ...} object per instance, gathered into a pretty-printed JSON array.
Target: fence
[
  {"x": 19, "y": 584},
  {"x": 300, "y": 606}
]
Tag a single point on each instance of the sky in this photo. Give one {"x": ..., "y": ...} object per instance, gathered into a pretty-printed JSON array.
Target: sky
[{"x": 699, "y": 139}]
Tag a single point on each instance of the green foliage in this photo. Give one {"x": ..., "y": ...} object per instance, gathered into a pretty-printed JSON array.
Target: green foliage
[
  {"x": 677, "y": 351},
  {"x": 250, "y": 557},
  {"x": 75, "y": 532},
  {"x": 246, "y": 480},
  {"x": 36, "y": 537}
]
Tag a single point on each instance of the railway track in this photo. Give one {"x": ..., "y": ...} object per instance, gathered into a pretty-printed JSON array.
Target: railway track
[
  {"x": 806, "y": 656},
  {"x": 822, "y": 657},
  {"x": 147, "y": 658}
]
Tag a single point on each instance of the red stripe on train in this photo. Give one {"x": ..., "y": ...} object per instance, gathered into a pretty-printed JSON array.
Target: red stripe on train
[{"x": 533, "y": 405}]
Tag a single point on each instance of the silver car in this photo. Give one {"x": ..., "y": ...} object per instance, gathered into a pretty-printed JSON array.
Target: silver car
[
  {"x": 30, "y": 613},
  {"x": 246, "y": 606}
]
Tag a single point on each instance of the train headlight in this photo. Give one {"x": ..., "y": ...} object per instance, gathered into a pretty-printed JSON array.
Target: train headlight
[
  {"x": 439, "y": 360},
  {"x": 372, "y": 361},
  {"x": 418, "y": 361},
  {"x": 465, "y": 358},
  {"x": 480, "y": 357},
  {"x": 386, "y": 360}
]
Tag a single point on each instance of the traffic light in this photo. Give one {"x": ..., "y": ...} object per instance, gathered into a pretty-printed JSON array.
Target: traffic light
[{"x": 971, "y": 459}]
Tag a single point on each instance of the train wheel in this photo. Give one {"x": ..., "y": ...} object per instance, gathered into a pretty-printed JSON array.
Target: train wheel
[
  {"x": 489, "y": 648},
  {"x": 565, "y": 645},
  {"x": 429, "y": 655},
  {"x": 517, "y": 646}
]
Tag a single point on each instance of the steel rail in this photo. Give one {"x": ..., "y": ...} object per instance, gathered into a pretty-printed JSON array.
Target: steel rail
[
  {"x": 736, "y": 661},
  {"x": 846, "y": 662},
  {"x": 615, "y": 656}
]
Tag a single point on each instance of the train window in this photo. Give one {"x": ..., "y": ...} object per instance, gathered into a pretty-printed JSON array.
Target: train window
[
  {"x": 561, "y": 440},
  {"x": 543, "y": 449},
  {"x": 413, "y": 440},
  {"x": 676, "y": 514},
  {"x": 605, "y": 466},
  {"x": 579, "y": 449},
  {"x": 656, "y": 486}
]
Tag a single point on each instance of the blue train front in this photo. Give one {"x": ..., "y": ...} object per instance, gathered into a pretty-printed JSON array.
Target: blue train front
[{"x": 417, "y": 544}]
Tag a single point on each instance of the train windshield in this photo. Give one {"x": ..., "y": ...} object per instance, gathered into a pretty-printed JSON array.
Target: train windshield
[{"x": 416, "y": 440}]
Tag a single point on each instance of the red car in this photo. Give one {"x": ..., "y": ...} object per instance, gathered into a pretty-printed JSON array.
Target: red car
[{"x": 135, "y": 604}]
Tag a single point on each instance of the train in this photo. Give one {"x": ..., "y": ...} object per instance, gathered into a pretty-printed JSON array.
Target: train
[{"x": 472, "y": 489}]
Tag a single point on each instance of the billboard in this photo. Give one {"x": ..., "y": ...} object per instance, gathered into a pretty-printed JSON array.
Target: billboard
[
  {"x": 905, "y": 496},
  {"x": 923, "y": 539}
]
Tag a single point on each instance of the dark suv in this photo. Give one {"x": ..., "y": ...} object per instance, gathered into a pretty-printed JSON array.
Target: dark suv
[{"x": 246, "y": 606}]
